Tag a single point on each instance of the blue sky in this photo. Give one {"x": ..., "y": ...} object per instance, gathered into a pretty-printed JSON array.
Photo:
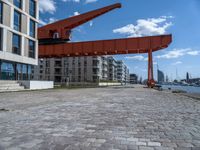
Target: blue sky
[{"x": 139, "y": 18}]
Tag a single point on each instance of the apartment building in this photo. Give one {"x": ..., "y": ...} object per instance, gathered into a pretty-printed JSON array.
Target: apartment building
[
  {"x": 77, "y": 69},
  {"x": 120, "y": 71},
  {"x": 112, "y": 69},
  {"x": 18, "y": 38},
  {"x": 72, "y": 69},
  {"x": 127, "y": 75}
]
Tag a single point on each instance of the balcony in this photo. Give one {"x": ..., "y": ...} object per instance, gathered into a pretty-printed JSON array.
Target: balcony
[
  {"x": 105, "y": 63},
  {"x": 58, "y": 64},
  {"x": 96, "y": 72},
  {"x": 96, "y": 58},
  {"x": 58, "y": 72}
]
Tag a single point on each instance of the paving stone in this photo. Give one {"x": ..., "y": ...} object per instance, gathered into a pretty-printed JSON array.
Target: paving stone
[
  {"x": 154, "y": 144},
  {"x": 99, "y": 118},
  {"x": 141, "y": 143},
  {"x": 183, "y": 148},
  {"x": 164, "y": 148},
  {"x": 133, "y": 139},
  {"x": 145, "y": 148},
  {"x": 169, "y": 144},
  {"x": 196, "y": 148},
  {"x": 184, "y": 144}
]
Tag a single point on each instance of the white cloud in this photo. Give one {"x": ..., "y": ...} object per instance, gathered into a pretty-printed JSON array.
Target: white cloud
[
  {"x": 47, "y": 6},
  {"x": 51, "y": 20},
  {"x": 176, "y": 53},
  {"x": 91, "y": 23},
  {"x": 90, "y": 1},
  {"x": 76, "y": 13},
  {"x": 177, "y": 63},
  {"x": 194, "y": 53},
  {"x": 44, "y": 22},
  {"x": 137, "y": 57},
  {"x": 146, "y": 27}
]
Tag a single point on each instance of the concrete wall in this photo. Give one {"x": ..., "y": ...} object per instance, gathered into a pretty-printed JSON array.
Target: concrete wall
[
  {"x": 37, "y": 85},
  {"x": 24, "y": 21},
  {"x": 9, "y": 42},
  {"x": 6, "y": 18},
  {"x": 109, "y": 84},
  {"x": 26, "y": 47},
  {"x": 27, "y": 7}
]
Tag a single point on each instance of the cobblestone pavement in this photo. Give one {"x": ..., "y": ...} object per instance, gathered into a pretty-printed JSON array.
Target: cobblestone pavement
[{"x": 101, "y": 118}]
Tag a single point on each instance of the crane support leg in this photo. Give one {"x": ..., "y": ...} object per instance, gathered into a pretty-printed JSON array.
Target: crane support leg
[{"x": 150, "y": 82}]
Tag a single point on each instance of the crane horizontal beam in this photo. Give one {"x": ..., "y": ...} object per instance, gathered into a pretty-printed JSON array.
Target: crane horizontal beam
[{"x": 106, "y": 47}]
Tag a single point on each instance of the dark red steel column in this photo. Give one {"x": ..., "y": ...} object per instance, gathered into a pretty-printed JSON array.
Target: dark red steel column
[{"x": 150, "y": 82}]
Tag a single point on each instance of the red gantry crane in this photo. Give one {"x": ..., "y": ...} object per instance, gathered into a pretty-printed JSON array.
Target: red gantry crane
[{"x": 54, "y": 41}]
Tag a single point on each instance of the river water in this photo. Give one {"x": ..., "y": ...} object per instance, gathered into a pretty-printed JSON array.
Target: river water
[{"x": 189, "y": 89}]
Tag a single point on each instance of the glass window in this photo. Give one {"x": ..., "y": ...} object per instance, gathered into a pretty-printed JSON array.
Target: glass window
[
  {"x": 16, "y": 44},
  {"x": 31, "y": 49},
  {"x": 32, "y": 9},
  {"x": 1, "y": 12},
  {"x": 24, "y": 72},
  {"x": 32, "y": 28},
  {"x": 19, "y": 72},
  {"x": 17, "y": 21},
  {"x": 1, "y": 39},
  {"x": 7, "y": 71},
  {"x": 18, "y": 3},
  {"x": 29, "y": 72}
]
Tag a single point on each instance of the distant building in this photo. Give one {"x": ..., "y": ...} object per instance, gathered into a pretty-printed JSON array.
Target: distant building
[
  {"x": 187, "y": 77},
  {"x": 72, "y": 69},
  {"x": 195, "y": 80},
  {"x": 77, "y": 69},
  {"x": 192, "y": 80},
  {"x": 127, "y": 75},
  {"x": 133, "y": 79},
  {"x": 161, "y": 77},
  {"x": 122, "y": 72},
  {"x": 18, "y": 38},
  {"x": 140, "y": 80},
  {"x": 167, "y": 79},
  {"x": 112, "y": 69}
]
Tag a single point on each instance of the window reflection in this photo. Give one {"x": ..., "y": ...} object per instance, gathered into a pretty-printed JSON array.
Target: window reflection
[
  {"x": 16, "y": 45},
  {"x": 32, "y": 28},
  {"x": 15, "y": 71},
  {"x": 32, "y": 9},
  {"x": 17, "y": 21},
  {"x": 18, "y": 3},
  {"x": 7, "y": 71}
]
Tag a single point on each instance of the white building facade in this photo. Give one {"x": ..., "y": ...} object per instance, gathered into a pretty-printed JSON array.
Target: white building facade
[
  {"x": 122, "y": 72},
  {"x": 18, "y": 38},
  {"x": 72, "y": 69},
  {"x": 112, "y": 69},
  {"x": 77, "y": 69}
]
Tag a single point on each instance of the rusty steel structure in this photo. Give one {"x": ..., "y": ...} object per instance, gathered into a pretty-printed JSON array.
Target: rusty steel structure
[{"x": 54, "y": 41}]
